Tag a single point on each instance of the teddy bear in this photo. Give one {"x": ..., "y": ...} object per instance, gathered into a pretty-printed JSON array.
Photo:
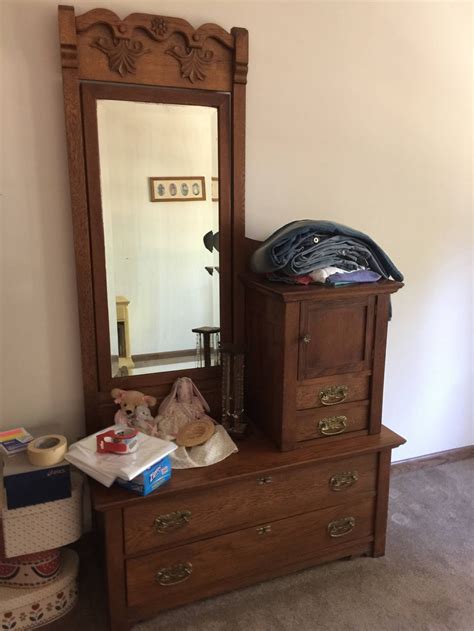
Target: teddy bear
[{"x": 135, "y": 410}]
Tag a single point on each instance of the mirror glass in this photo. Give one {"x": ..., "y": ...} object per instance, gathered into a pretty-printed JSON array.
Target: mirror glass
[{"x": 159, "y": 187}]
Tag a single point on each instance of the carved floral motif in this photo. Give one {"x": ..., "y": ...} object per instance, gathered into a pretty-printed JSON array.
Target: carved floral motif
[
  {"x": 159, "y": 26},
  {"x": 193, "y": 61},
  {"x": 122, "y": 53}
]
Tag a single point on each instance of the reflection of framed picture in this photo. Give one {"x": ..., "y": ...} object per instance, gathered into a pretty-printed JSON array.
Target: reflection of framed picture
[
  {"x": 215, "y": 189},
  {"x": 177, "y": 189}
]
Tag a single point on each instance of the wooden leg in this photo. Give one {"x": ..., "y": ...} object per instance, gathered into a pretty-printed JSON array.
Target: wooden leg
[
  {"x": 113, "y": 532},
  {"x": 383, "y": 484}
]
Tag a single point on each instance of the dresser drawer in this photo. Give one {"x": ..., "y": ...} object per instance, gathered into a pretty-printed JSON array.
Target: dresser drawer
[
  {"x": 208, "y": 567},
  {"x": 191, "y": 515},
  {"x": 332, "y": 391},
  {"x": 324, "y": 422}
]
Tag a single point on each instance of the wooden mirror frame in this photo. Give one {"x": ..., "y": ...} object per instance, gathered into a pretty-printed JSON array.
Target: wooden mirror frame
[{"x": 164, "y": 59}]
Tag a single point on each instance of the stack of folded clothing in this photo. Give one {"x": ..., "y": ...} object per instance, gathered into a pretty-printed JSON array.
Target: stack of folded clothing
[{"x": 317, "y": 251}]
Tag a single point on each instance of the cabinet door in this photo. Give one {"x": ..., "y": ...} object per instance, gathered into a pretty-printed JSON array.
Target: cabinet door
[{"x": 336, "y": 336}]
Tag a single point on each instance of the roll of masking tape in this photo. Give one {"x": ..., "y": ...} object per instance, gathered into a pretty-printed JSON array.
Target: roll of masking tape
[{"x": 47, "y": 450}]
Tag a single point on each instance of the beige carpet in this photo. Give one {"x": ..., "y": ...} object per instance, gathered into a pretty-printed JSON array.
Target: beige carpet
[{"x": 424, "y": 583}]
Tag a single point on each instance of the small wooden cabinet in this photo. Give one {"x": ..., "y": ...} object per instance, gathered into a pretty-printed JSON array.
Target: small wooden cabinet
[{"x": 315, "y": 359}]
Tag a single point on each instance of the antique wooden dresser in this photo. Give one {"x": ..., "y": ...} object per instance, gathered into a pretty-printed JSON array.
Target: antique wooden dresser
[{"x": 310, "y": 483}]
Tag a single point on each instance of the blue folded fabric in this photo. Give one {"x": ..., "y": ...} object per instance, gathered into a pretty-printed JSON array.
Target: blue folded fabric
[
  {"x": 349, "y": 278},
  {"x": 305, "y": 245}
]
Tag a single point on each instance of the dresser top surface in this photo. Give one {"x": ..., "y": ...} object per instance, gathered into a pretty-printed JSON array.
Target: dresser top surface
[
  {"x": 290, "y": 293},
  {"x": 256, "y": 455}
]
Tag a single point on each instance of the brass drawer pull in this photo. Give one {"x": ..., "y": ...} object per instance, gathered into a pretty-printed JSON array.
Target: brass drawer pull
[
  {"x": 341, "y": 481},
  {"x": 333, "y": 395},
  {"x": 266, "y": 479},
  {"x": 174, "y": 574},
  {"x": 341, "y": 527},
  {"x": 264, "y": 530},
  {"x": 165, "y": 524},
  {"x": 333, "y": 425}
]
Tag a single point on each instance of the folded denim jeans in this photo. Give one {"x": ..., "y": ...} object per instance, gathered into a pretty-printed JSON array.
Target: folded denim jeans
[{"x": 302, "y": 246}]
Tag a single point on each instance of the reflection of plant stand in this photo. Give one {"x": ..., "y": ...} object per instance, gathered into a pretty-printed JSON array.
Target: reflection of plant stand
[
  {"x": 123, "y": 333},
  {"x": 233, "y": 417},
  {"x": 207, "y": 345}
]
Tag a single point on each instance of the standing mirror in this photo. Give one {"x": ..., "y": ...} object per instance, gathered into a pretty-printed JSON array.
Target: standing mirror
[
  {"x": 160, "y": 209},
  {"x": 155, "y": 120}
]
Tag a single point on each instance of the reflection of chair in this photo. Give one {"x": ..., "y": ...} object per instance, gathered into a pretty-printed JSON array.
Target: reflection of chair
[
  {"x": 123, "y": 333},
  {"x": 207, "y": 345}
]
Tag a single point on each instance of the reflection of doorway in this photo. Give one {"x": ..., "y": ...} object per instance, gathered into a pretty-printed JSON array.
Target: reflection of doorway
[{"x": 123, "y": 332}]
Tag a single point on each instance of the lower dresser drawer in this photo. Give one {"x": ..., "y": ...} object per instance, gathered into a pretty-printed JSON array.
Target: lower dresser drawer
[
  {"x": 327, "y": 422},
  {"x": 219, "y": 564},
  {"x": 167, "y": 520}
]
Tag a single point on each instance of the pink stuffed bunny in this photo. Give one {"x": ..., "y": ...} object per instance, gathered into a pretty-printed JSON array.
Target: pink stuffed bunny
[{"x": 183, "y": 404}]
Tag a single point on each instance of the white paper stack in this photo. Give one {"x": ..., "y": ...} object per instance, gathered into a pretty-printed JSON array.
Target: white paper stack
[{"x": 106, "y": 467}]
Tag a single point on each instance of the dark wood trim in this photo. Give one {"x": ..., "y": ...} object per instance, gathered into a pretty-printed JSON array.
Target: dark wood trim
[
  {"x": 378, "y": 366},
  {"x": 115, "y": 569},
  {"x": 381, "y": 512},
  {"x": 241, "y": 55},
  {"x": 289, "y": 384},
  {"x": 319, "y": 291},
  {"x": 432, "y": 460},
  {"x": 78, "y": 194}
]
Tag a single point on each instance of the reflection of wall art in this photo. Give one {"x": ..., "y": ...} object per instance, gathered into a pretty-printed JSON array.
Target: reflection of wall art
[
  {"x": 215, "y": 189},
  {"x": 177, "y": 189}
]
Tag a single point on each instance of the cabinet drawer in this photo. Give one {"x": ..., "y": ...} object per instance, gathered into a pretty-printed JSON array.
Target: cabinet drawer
[
  {"x": 215, "y": 565},
  {"x": 324, "y": 423},
  {"x": 191, "y": 515},
  {"x": 332, "y": 391}
]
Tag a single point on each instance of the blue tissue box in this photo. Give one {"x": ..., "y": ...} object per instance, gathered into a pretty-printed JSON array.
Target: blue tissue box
[
  {"x": 27, "y": 485},
  {"x": 150, "y": 479}
]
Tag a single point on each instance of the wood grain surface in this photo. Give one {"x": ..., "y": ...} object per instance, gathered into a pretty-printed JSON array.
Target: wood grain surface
[
  {"x": 238, "y": 504},
  {"x": 257, "y": 456},
  {"x": 224, "y": 562}
]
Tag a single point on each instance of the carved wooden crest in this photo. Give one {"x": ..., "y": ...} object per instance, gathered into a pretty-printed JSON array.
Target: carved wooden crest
[{"x": 125, "y": 46}]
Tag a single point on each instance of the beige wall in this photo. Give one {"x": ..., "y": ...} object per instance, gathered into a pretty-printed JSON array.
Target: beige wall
[{"x": 362, "y": 116}]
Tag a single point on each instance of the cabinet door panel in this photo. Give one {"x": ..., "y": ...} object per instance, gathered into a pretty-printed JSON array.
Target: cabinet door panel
[{"x": 335, "y": 337}]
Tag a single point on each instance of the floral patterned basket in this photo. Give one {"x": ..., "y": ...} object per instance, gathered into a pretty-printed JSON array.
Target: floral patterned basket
[
  {"x": 22, "y": 609},
  {"x": 30, "y": 570}
]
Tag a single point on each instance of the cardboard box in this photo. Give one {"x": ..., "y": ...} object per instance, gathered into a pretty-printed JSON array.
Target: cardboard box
[
  {"x": 27, "y": 485},
  {"x": 150, "y": 479}
]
